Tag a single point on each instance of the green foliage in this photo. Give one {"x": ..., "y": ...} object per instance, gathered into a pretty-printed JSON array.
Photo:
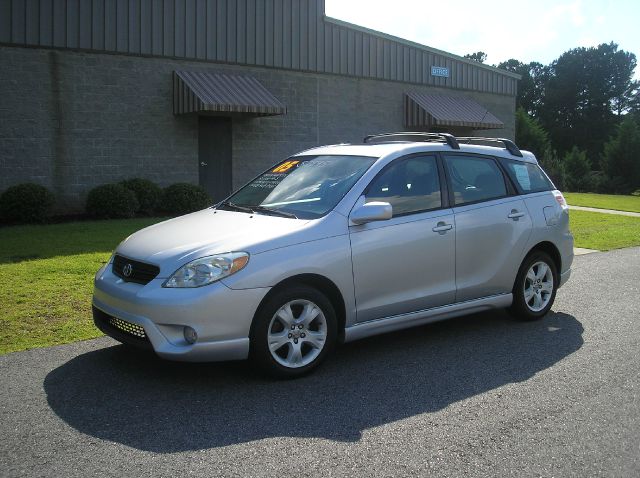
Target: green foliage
[
  {"x": 621, "y": 159},
  {"x": 586, "y": 91},
  {"x": 111, "y": 201},
  {"x": 576, "y": 170},
  {"x": 183, "y": 198},
  {"x": 530, "y": 135},
  {"x": 552, "y": 165},
  {"x": 147, "y": 193},
  {"x": 26, "y": 203},
  {"x": 532, "y": 85},
  {"x": 579, "y": 100},
  {"x": 478, "y": 56}
]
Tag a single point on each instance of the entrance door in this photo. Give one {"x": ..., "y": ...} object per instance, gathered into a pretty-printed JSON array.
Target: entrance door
[{"x": 214, "y": 155}]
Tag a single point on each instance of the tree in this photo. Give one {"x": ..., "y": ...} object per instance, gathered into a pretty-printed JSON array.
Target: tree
[
  {"x": 621, "y": 159},
  {"x": 586, "y": 90},
  {"x": 530, "y": 134},
  {"x": 634, "y": 106},
  {"x": 478, "y": 56},
  {"x": 531, "y": 87},
  {"x": 576, "y": 170},
  {"x": 552, "y": 165}
]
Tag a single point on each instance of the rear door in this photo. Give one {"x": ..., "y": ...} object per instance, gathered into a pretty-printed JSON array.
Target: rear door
[
  {"x": 406, "y": 263},
  {"x": 492, "y": 226}
]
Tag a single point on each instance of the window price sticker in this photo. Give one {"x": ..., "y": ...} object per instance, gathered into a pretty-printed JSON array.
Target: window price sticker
[{"x": 284, "y": 167}]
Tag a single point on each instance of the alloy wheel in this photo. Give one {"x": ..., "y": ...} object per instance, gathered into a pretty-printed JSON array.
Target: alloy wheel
[
  {"x": 297, "y": 333},
  {"x": 538, "y": 286}
]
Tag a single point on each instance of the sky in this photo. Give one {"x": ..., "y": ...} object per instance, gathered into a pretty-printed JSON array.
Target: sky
[{"x": 526, "y": 30}]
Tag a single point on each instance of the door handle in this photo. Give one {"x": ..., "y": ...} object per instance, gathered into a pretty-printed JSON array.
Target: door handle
[
  {"x": 515, "y": 214},
  {"x": 442, "y": 227},
  {"x": 202, "y": 163}
]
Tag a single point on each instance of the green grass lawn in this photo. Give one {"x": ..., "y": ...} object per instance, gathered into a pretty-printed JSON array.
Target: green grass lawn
[
  {"x": 604, "y": 201},
  {"x": 46, "y": 274},
  {"x": 595, "y": 230}
]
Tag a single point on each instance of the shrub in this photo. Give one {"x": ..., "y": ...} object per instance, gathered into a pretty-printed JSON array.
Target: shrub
[
  {"x": 147, "y": 193},
  {"x": 111, "y": 201},
  {"x": 530, "y": 135},
  {"x": 182, "y": 198},
  {"x": 620, "y": 161},
  {"x": 576, "y": 170},
  {"x": 552, "y": 165},
  {"x": 26, "y": 203}
]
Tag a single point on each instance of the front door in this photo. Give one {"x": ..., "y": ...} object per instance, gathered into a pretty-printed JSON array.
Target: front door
[
  {"x": 214, "y": 156},
  {"x": 406, "y": 263}
]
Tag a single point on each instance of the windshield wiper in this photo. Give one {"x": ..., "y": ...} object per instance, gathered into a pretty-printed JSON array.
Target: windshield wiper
[
  {"x": 236, "y": 207},
  {"x": 273, "y": 212},
  {"x": 256, "y": 209}
]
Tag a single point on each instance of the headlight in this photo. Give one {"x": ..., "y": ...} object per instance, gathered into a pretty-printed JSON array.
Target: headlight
[{"x": 206, "y": 270}]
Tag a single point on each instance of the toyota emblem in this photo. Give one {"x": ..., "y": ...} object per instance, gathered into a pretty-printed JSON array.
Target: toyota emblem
[{"x": 127, "y": 270}]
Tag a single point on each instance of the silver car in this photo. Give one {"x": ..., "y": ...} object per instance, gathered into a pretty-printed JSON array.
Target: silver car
[{"x": 338, "y": 243}]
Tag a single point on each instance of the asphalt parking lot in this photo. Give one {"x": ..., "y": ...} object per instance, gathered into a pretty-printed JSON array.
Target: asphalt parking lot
[{"x": 476, "y": 396}]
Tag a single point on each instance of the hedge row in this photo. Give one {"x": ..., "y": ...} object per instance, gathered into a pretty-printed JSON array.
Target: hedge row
[
  {"x": 26, "y": 203},
  {"x": 144, "y": 198},
  {"x": 33, "y": 203}
]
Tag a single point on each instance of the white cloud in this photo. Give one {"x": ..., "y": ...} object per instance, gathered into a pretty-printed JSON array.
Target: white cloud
[{"x": 526, "y": 30}]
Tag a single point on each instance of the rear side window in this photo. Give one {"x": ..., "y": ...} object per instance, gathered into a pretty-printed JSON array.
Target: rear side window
[
  {"x": 410, "y": 185},
  {"x": 528, "y": 177},
  {"x": 474, "y": 179}
]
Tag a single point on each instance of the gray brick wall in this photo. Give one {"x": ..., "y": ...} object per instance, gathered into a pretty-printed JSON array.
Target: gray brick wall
[{"x": 72, "y": 120}]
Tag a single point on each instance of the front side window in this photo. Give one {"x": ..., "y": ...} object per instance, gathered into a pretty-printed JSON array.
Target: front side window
[
  {"x": 474, "y": 179},
  {"x": 409, "y": 185},
  {"x": 306, "y": 187}
]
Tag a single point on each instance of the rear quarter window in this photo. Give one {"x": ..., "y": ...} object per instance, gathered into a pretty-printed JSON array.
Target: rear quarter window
[{"x": 528, "y": 177}]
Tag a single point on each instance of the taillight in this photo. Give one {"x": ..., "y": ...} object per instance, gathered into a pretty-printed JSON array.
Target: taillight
[{"x": 560, "y": 198}]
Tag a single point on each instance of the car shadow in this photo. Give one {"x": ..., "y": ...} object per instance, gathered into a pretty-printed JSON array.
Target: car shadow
[{"x": 138, "y": 400}]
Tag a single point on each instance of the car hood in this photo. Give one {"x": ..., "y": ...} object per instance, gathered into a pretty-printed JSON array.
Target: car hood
[{"x": 173, "y": 243}]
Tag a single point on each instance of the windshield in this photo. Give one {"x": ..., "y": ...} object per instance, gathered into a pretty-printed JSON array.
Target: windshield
[{"x": 305, "y": 187}]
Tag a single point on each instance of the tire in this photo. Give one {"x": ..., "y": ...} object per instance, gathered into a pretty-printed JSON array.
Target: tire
[
  {"x": 285, "y": 352},
  {"x": 535, "y": 287}
]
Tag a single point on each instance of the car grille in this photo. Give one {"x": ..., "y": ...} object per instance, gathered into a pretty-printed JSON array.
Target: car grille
[
  {"x": 122, "y": 330},
  {"x": 128, "y": 327},
  {"x": 134, "y": 271}
]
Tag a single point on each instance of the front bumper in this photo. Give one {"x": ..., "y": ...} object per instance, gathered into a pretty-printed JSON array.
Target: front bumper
[{"x": 221, "y": 317}]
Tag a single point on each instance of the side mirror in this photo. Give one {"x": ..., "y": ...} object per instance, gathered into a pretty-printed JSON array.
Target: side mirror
[{"x": 369, "y": 212}]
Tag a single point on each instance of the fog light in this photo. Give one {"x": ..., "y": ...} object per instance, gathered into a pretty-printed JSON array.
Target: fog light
[{"x": 190, "y": 335}]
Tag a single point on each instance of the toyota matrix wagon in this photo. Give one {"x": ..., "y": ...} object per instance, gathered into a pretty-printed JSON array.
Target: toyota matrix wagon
[{"x": 338, "y": 243}]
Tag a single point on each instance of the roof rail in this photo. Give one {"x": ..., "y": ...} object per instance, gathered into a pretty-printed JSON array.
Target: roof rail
[
  {"x": 510, "y": 145},
  {"x": 417, "y": 135}
]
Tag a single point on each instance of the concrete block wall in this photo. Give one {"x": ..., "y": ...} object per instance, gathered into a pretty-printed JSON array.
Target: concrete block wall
[{"x": 73, "y": 120}]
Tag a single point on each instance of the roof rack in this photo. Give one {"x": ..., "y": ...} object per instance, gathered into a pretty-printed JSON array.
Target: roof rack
[
  {"x": 510, "y": 145},
  {"x": 418, "y": 135},
  {"x": 452, "y": 141}
]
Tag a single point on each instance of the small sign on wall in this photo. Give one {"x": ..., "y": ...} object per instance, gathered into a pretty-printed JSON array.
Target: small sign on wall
[{"x": 440, "y": 71}]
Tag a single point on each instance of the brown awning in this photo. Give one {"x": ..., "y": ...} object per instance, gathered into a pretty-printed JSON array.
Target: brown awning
[
  {"x": 423, "y": 109},
  {"x": 199, "y": 92}
]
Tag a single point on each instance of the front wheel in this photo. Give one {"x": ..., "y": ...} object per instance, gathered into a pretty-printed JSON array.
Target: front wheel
[
  {"x": 293, "y": 332},
  {"x": 535, "y": 288}
]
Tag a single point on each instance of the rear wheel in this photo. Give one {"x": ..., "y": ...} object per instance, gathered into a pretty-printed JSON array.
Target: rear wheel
[
  {"x": 293, "y": 332},
  {"x": 535, "y": 288}
]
